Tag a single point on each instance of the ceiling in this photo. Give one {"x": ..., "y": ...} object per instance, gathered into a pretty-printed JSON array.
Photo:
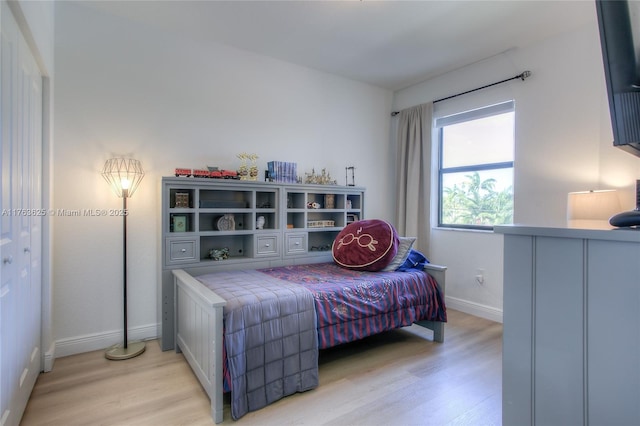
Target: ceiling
[{"x": 390, "y": 44}]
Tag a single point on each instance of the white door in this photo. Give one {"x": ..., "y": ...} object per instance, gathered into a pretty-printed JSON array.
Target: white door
[
  {"x": 20, "y": 224},
  {"x": 8, "y": 239}
]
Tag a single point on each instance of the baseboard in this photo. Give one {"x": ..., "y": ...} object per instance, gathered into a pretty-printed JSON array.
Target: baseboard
[
  {"x": 472, "y": 308},
  {"x": 49, "y": 358},
  {"x": 98, "y": 341}
]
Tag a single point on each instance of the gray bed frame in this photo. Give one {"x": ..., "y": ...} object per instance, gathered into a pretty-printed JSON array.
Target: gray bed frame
[{"x": 198, "y": 330}]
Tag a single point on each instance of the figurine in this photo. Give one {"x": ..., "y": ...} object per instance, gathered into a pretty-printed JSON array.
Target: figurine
[
  {"x": 219, "y": 254},
  {"x": 322, "y": 179},
  {"x": 243, "y": 171}
]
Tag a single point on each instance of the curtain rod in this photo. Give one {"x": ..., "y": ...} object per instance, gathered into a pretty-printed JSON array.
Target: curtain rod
[{"x": 522, "y": 76}]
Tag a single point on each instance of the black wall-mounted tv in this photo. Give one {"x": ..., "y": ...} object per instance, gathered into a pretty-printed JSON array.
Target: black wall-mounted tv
[{"x": 619, "y": 23}]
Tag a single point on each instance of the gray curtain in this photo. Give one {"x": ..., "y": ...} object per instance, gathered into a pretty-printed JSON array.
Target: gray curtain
[{"x": 413, "y": 167}]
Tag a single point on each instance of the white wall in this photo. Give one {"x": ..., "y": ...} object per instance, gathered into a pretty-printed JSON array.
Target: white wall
[
  {"x": 563, "y": 144},
  {"x": 122, "y": 89}
]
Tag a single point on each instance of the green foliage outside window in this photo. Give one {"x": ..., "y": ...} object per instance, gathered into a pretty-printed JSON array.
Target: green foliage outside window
[{"x": 475, "y": 202}]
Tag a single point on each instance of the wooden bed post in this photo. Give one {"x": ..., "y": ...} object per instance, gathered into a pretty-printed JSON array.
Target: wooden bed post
[
  {"x": 438, "y": 272},
  {"x": 198, "y": 335}
]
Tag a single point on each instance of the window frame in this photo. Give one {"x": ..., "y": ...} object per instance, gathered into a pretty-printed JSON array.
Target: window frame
[{"x": 440, "y": 123}]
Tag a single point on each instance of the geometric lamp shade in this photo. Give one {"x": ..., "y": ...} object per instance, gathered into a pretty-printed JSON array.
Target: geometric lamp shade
[{"x": 123, "y": 175}]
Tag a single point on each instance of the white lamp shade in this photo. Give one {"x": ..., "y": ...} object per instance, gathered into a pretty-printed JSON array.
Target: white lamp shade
[
  {"x": 592, "y": 205},
  {"x": 123, "y": 175}
]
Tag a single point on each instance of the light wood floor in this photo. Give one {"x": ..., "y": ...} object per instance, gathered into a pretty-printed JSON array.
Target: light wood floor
[{"x": 396, "y": 378}]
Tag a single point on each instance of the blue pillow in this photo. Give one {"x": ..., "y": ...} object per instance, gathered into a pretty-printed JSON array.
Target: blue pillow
[
  {"x": 415, "y": 260},
  {"x": 404, "y": 248}
]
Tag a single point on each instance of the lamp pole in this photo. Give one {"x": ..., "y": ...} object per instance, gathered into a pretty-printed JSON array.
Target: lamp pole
[{"x": 124, "y": 262}]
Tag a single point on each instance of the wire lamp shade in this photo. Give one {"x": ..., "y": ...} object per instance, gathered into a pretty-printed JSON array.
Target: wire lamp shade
[{"x": 123, "y": 175}]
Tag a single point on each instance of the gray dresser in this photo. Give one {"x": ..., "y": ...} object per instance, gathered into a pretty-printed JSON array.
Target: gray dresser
[{"x": 571, "y": 344}]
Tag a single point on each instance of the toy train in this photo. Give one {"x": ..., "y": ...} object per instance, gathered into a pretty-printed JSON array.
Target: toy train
[{"x": 210, "y": 174}]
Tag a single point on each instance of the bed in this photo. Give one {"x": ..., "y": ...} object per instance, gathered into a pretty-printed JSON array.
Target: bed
[{"x": 335, "y": 305}]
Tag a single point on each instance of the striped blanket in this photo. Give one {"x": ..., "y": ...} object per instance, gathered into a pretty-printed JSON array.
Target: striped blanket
[{"x": 351, "y": 305}]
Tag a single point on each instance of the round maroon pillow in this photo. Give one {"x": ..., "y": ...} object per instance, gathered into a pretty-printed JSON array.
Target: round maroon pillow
[{"x": 367, "y": 245}]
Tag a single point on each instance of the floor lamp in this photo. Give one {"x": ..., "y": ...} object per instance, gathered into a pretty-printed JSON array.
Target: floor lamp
[{"x": 124, "y": 176}]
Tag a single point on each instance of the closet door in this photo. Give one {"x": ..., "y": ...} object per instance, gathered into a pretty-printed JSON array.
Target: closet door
[
  {"x": 20, "y": 224},
  {"x": 29, "y": 220},
  {"x": 9, "y": 356}
]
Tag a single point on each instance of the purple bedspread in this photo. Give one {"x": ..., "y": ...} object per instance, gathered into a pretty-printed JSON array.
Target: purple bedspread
[{"x": 351, "y": 305}]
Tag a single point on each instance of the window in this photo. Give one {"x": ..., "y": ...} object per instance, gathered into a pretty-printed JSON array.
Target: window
[{"x": 476, "y": 167}]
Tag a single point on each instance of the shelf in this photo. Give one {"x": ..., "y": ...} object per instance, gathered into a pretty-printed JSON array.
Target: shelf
[
  {"x": 255, "y": 219},
  {"x": 231, "y": 214},
  {"x": 225, "y": 199},
  {"x": 223, "y": 233},
  {"x": 238, "y": 245},
  {"x": 220, "y": 222},
  {"x": 180, "y": 223},
  {"x": 180, "y": 197}
]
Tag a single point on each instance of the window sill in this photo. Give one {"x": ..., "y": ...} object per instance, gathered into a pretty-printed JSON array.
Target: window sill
[{"x": 444, "y": 228}]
